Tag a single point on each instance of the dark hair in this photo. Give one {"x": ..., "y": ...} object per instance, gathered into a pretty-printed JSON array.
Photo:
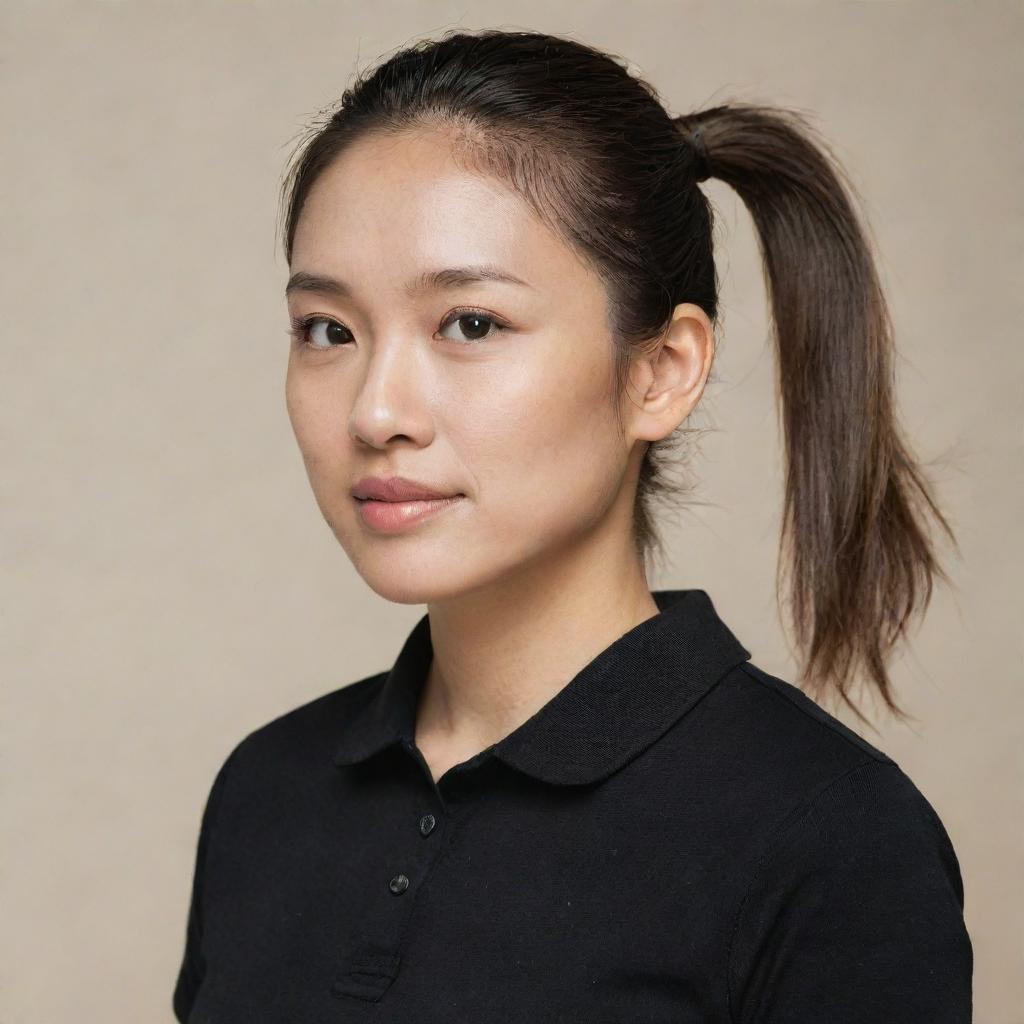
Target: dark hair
[{"x": 592, "y": 149}]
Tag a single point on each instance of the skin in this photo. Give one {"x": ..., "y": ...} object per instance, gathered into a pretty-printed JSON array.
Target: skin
[{"x": 533, "y": 573}]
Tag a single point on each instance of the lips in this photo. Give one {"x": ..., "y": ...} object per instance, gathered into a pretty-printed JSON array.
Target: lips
[
  {"x": 399, "y": 516},
  {"x": 398, "y": 488}
]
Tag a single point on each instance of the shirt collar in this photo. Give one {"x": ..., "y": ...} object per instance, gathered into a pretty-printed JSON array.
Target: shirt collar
[{"x": 609, "y": 712}]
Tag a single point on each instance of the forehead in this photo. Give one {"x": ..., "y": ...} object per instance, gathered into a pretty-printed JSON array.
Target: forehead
[{"x": 393, "y": 203}]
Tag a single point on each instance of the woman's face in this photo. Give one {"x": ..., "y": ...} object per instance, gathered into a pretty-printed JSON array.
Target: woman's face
[{"x": 403, "y": 376}]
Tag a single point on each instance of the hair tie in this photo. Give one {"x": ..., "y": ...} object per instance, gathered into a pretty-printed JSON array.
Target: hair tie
[{"x": 701, "y": 158}]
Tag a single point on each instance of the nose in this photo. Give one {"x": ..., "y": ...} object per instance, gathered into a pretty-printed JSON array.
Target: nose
[{"x": 390, "y": 401}]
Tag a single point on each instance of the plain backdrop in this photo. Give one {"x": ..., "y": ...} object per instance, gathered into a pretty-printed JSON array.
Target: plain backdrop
[{"x": 169, "y": 582}]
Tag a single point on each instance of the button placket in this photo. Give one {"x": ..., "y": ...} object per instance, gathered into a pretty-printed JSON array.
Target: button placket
[
  {"x": 373, "y": 965},
  {"x": 400, "y": 882}
]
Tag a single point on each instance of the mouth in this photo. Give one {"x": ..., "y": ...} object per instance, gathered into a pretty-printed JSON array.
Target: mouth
[{"x": 395, "y": 516}]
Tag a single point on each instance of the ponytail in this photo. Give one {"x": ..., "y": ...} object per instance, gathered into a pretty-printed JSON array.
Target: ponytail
[{"x": 854, "y": 542}]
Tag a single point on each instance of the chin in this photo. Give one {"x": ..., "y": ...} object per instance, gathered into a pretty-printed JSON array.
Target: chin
[{"x": 405, "y": 577}]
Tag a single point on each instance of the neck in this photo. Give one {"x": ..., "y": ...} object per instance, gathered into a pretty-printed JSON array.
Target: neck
[{"x": 503, "y": 651}]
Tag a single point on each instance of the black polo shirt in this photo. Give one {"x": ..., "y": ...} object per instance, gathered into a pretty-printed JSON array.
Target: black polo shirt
[{"x": 676, "y": 836}]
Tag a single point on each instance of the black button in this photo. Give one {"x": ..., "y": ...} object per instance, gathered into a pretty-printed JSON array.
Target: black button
[
  {"x": 398, "y": 884},
  {"x": 427, "y": 823}
]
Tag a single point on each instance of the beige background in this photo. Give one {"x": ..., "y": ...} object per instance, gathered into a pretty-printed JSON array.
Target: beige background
[{"x": 170, "y": 585}]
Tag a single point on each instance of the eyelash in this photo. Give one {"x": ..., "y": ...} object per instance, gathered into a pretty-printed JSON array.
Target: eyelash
[{"x": 302, "y": 327}]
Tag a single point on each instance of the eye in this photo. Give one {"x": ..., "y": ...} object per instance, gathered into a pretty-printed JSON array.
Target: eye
[
  {"x": 475, "y": 323},
  {"x": 319, "y": 332},
  {"x": 322, "y": 332}
]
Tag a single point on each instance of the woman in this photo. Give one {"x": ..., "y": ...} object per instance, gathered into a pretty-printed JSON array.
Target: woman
[{"x": 572, "y": 798}]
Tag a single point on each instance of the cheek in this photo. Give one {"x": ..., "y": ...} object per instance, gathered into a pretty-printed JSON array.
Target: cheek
[
  {"x": 542, "y": 442},
  {"x": 317, "y": 411}
]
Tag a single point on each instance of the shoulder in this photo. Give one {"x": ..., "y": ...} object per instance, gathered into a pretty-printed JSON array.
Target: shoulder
[
  {"x": 843, "y": 861},
  {"x": 319, "y": 716},
  {"x": 860, "y": 873},
  {"x": 816, "y": 783},
  {"x": 780, "y": 761},
  {"x": 305, "y": 734},
  {"x": 766, "y": 703},
  {"x": 770, "y": 745}
]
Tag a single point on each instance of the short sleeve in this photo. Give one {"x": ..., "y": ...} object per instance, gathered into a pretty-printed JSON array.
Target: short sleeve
[
  {"x": 855, "y": 913},
  {"x": 190, "y": 974}
]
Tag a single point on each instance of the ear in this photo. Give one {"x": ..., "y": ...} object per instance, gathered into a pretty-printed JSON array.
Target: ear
[{"x": 667, "y": 380}]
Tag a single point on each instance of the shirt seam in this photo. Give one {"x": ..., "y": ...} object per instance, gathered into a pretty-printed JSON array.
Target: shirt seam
[
  {"x": 787, "y": 822},
  {"x": 881, "y": 757}
]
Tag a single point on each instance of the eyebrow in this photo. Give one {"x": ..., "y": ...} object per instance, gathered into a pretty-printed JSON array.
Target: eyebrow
[{"x": 429, "y": 280}]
